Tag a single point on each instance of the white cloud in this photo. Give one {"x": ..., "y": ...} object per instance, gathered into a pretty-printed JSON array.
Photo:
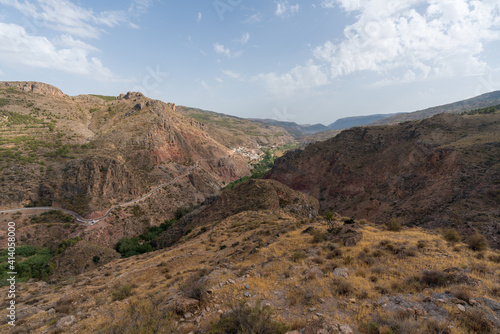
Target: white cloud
[
  {"x": 244, "y": 38},
  {"x": 221, "y": 49},
  {"x": 199, "y": 18},
  {"x": 284, "y": 9},
  {"x": 254, "y": 18},
  {"x": 65, "y": 16},
  {"x": 231, "y": 74},
  {"x": 401, "y": 42},
  {"x": 328, "y": 3},
  {"x": 299, "y": 78},
  {"x": 219, "y": 80},
  {"x": 445, "y": 39},
  {"x": 65, "y": 54}
]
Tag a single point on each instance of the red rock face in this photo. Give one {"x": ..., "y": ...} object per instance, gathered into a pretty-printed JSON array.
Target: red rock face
[{"x": 401, "y": 171}]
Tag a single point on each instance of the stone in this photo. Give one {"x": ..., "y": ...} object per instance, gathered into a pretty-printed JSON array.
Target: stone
[
  {"x": 65, "y": 322},
  {"x": 186, "y": 305},
  {"x": 247, "y": 294},
  {"x": 461, "y": 307},
  {"x": 326, "y": 326},
  {"x": 247, "y": 286},
  {"x": 341, "y": 272},
  {"x": 230, "y": 281},
  {"x": 313, "y": 272}
]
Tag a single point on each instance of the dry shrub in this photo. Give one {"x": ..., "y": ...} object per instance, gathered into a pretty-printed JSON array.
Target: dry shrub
[
  {"x": 451, "y": 235},
  {"x": 245, "y": 319},
  {"x": 476, "y": 321},
  {"x": 433, "y": 278},
  {"x": 194, "y": 287},
  {"x": 462, "y": 293},
  {"x": 302, "y": 296},
  {"x": 64, "y": 305},
  {"x": 298, "y": 256},
  {"x": 144, "y": 317},
  {"x": 477, "y": 242},
  {"x": 494, "y": 258},
  {"x": 342, "y": 287},
  {"x": 402, "y": 323},
  {"x": 121, "y": 292},
  {"x": 394, "y": 225}
]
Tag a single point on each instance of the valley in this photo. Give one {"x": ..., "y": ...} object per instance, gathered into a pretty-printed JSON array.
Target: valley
[{"x": 138, "y": 216}]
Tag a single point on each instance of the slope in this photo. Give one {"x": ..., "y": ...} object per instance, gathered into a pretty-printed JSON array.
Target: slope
[{"x": 439, "y": 172}]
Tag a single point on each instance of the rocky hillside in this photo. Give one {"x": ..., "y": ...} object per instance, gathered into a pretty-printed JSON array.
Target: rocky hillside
[
  {"x": 438, "y": 172},
  {"x": 271, "y": 268},
  {"x": 87, "y": 153}
]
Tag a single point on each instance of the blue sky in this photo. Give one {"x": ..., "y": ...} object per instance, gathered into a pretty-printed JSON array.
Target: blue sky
[{"x": 303, "y": 61}]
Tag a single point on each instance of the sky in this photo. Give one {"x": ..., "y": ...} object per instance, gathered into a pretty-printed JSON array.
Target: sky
[{"x": 302, "y": 61}]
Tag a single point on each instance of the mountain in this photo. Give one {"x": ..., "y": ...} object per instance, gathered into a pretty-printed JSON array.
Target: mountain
[
  {"x": 234, "y": 131},
  {"x": 349, "y": 122},
  {"x": 88, "y": 153},
  {"x": 188, "y": 255},
  {"x": 482, "y": 101},
  {"x": 442, "y": 171},
  {"x": 297, "y": 130}
]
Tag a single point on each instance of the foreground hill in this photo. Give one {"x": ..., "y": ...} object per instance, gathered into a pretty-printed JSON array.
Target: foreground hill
[
  {"x": 439, "y": 172},
  {"x": 293, "y": 271}
]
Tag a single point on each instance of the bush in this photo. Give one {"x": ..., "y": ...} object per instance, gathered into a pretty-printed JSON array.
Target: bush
[
  {"x": 433, "y": 278},
  {"x": 477, "y": 242},
  {"x": 476, "y": 321},
  {"x": 394, "y": 225},
  {"x": 298, "y": 256},
  {"x": 342, "y": 287},
  {"x": 194, "y": 287},
  {"x": 144, "y": 317},
  {"x": 451, "y": 235},
  {"x": 121, "y": 292},
  {"x": 245, "y": 319}
]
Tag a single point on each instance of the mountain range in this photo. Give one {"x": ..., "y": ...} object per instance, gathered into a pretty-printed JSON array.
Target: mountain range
[{"x": 200, "y": 222}]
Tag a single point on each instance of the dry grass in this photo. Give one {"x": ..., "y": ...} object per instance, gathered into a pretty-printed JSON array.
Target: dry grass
[{"x": 383, "y": 262}]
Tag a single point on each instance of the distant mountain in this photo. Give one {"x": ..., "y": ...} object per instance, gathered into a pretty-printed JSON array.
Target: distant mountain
[
  {"x": 349, "y": 122},
  {"x": 481, "y": 101},
  {"x": 297, "y": 130}
]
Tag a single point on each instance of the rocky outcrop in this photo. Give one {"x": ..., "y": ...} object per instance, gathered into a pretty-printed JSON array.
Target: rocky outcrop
[{"x": 36, "y": 87}]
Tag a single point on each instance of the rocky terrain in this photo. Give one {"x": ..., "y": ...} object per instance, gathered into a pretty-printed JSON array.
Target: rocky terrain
[
  {"x": 378, "y": 230},
  {"x": 275, "y": 268},
  {"x": 439, "y": 172},
  {"x": 87, "y": 153}
]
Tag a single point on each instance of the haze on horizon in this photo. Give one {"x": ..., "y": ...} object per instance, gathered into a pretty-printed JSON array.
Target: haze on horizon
[{"x": 301, "y": 61}]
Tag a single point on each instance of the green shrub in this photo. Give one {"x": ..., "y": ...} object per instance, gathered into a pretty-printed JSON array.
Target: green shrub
[{"x": 245, "y": 319}]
